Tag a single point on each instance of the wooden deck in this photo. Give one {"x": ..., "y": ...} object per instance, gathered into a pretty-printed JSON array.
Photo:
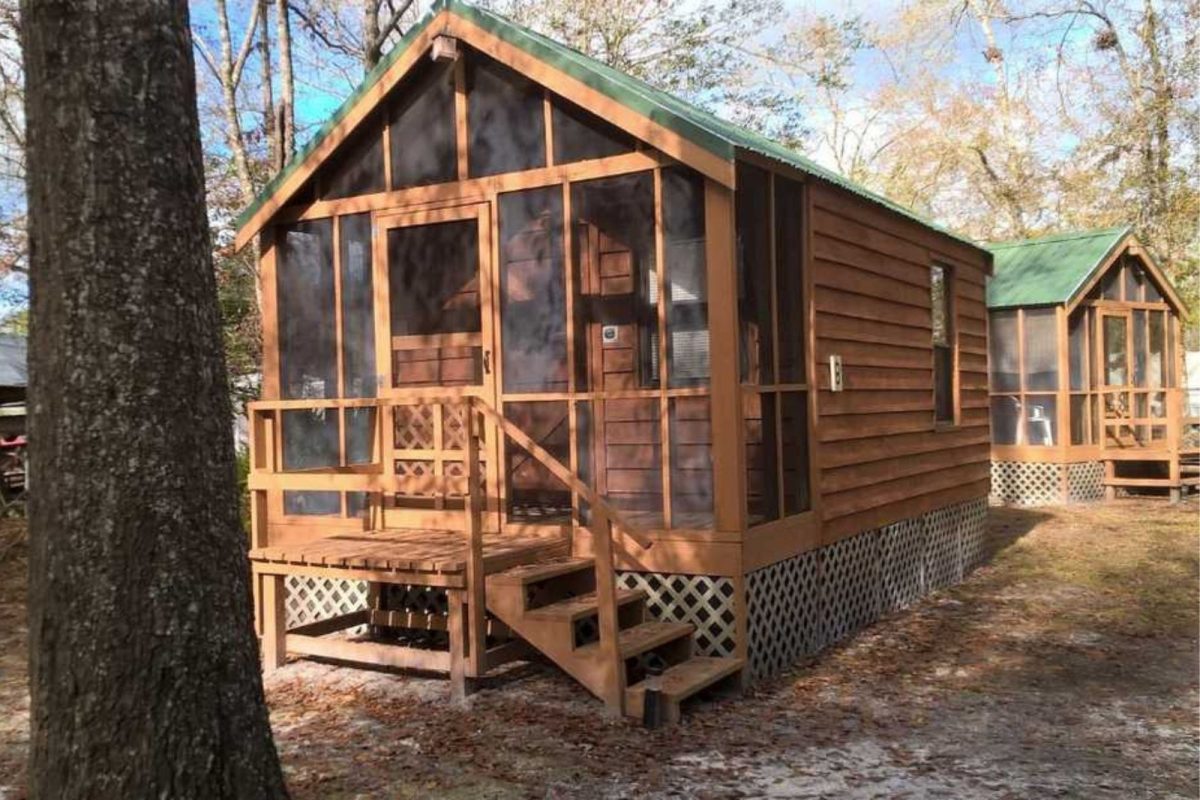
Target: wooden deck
[{"x": 424, "y": 557}]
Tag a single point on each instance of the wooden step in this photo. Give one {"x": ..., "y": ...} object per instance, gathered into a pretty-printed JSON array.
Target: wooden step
[
  {"x": 684, "y": 680},
  {"x": 643, "y": 638},
  {"x": 585, "y": 605},
  {"x": 542, "y": 571}
]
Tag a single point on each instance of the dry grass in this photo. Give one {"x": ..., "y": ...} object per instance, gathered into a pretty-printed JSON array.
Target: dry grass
[{"x": 1065, "y": 668}]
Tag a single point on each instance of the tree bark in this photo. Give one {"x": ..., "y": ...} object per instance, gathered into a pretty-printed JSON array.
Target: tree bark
[
  {"x": 287, "y": 83},
  {"x": 144, "y": 672},
  {"x": 271, "y": 129}
]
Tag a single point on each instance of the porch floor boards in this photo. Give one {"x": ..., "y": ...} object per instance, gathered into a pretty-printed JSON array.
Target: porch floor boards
[{"x": 410, "y": 550}]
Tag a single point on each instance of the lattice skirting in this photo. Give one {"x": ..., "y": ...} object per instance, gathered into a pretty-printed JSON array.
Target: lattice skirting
[
  {"x": 800, "y": 605},
  {"x": 1085, "y": 482},
  {"x": 312, "y": 599},
  {"x": 1026, "y": 483},
  {"x": 705, "y": 601}
]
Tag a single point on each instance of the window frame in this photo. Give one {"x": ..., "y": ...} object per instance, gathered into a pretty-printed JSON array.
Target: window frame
[{"x": 951, "y": 347}]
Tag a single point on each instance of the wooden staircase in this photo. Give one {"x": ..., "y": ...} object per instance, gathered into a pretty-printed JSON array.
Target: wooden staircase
[
  {"x": 555, "y": 607},
  {"x": 570, "y": 609}
]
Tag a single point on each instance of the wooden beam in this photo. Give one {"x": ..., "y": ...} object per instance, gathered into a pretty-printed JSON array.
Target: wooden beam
[
  {"x": 463, "y": 191},
  {"x": 375, "y": 653},
  {"x": 728, "y": 448}
]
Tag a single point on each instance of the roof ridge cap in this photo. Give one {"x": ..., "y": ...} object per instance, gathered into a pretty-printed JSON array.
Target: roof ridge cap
[{"x": 1061, "y": 237}]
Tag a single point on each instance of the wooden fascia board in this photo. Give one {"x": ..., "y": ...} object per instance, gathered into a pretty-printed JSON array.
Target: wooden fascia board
[{"x": 658, "y": 136}]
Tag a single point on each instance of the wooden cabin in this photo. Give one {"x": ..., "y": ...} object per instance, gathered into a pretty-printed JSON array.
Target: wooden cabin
[
  {"x": 554, "y": 360},
  {"x": 1086, "y": 372}
]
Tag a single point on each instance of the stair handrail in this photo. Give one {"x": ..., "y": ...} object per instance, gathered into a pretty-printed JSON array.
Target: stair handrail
[
  {"x": 563, "y": 473},
  {"x": 601, "y": 527}
]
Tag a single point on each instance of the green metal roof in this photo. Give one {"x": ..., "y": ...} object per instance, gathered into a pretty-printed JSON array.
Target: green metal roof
[
  {"x": 1048, "y": 270},
  {"x": 716, "y": 135}
]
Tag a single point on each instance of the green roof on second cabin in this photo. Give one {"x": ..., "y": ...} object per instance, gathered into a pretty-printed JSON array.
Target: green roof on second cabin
[
  {"x": 700, "y": 127},
  {"x": 1048, "y": 270}
]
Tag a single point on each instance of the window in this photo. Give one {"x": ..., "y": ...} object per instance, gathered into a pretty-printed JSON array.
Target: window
[{"x": 941, "y": 289}]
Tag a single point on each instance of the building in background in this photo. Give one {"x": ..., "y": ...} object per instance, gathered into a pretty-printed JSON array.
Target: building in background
[{"x": 1086, "y": 372}]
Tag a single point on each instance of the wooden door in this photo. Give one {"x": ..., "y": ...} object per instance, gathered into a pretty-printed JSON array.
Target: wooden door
[{"x": 434, "y": 334}]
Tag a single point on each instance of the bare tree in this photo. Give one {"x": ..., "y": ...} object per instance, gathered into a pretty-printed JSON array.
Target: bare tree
[
  {"x": 144, "y": 675},
  {"x": 286, "y": 124},
  {"x": 363, "y": 36},
  {"x": 228, "y": 70}
]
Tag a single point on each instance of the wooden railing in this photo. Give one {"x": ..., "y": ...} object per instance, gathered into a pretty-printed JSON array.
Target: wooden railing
[{"x": 604, "y": 521}]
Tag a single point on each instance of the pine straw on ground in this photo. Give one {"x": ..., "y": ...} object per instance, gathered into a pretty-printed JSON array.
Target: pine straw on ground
[{"x": 1065, "y": 668}]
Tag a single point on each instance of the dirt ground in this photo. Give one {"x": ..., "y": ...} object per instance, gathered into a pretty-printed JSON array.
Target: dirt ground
[{"x": 1065, "y": 668}]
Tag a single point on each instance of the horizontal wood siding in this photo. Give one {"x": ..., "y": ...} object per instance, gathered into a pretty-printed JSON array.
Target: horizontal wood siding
[{"x": 881, "y": 458}]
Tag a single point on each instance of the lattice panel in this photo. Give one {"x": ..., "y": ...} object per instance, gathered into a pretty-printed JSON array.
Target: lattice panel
[
  {"x": 785, "y": 619},
  {"x": 1022, "y": 483},
  {"x": 902, "y": 563},
  {"x": 973, "y": 537},
  {"x": 454, "y": 429},
  {"x": 704, "y": 601},
  {"x": 800, "y": 605},
  {"x": 414, "y": 427},
  {"x": 850, "y": 574},
  {"x": 415, "y": 599},
  {"x": 1085, "y": 482},
  {"x": 416, "y": 477},
  {"x": 943, "y": 562},
  {"x": 313, "y": 599}
]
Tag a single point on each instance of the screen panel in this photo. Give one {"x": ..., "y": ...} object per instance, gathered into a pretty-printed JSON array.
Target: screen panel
[
  {"x": 1041, "y": 349},
  {"x": 305, "y": 297},
  {"x": 424, "y": 138},
  {"x": 753, "y": 221},
  {"x": 686, "y": 278},
  {"x": 533, "y": 291},
  {"x": 506, "y": 120},
  {"x": 580, "y": 135}
]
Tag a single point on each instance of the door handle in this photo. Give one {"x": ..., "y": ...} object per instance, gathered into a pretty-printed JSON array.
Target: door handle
[{"x": 487, "y": 362}]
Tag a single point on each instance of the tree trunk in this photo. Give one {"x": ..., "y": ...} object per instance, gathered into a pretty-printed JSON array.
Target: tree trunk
[
  {"x": 372, "y": 39},
  {"x": 230, "y": 75},
  {"x": 144, "y": 672},
  {"x": 271, "y": 129},
  {"x": 287, "y": 83}
]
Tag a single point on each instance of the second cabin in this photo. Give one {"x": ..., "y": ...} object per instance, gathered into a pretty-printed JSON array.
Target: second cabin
[{"x": 554, "y": 360}]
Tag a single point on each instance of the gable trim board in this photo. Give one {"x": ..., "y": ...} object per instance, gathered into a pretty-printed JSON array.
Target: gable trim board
[{"x": 682, "y": 131}]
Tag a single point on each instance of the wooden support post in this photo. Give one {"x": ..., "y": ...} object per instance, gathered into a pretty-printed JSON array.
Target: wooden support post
[
  {"x": 458, "y": 642},
  {"x": 274, "y": 623},
  {"x": 477, "y": 599},
  {"x": 609, "y": 627}
]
